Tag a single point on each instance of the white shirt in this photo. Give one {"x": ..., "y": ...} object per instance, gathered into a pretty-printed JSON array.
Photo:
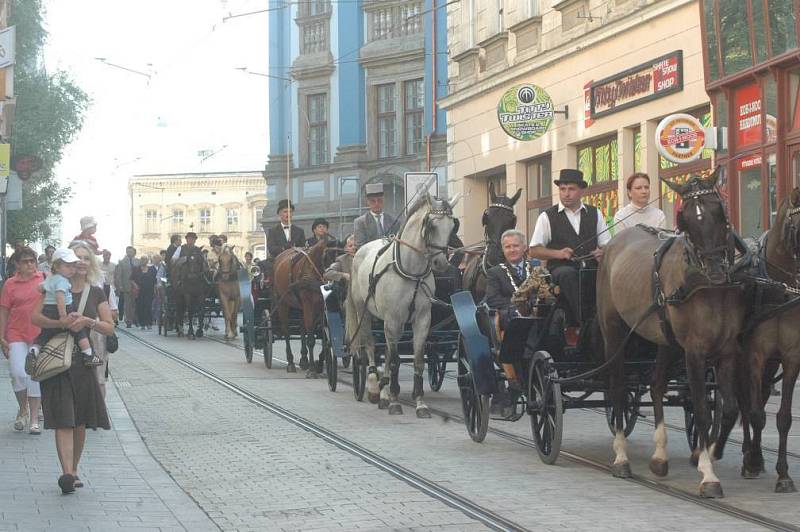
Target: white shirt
[
  {"x": 542, "y": 235},
  {"x": 177, "y": 254},
  {"x": 630, "y": 216},
  {"x": 287, "y": 231}
]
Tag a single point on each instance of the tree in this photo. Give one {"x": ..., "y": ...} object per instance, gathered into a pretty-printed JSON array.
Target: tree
[{"x": 49, "y": 113}]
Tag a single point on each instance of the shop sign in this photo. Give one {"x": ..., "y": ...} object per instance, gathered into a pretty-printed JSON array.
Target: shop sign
[
  {"x": 525, "y": 112},
  {"x": 587, "y": 105},
  {"x": 751, "y": 161},
  {"x": 680, "y": 138},
  {"x": 5, "y": 159},
  {"x": 747, "y": 110},
  {"x": 642, "y": 83},
  {"x": 8, "y": 39}
]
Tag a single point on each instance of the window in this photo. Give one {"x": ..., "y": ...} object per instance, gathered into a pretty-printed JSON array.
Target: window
[
  {"x": 177, "y": 220},
  {"x": 259, "y": 252},
  {"x": 348, "y": 186},
  {"x": 599, "y": 162},
  {"x": 258, "y": 213},
  {"x": 414, "y": 116},
  {"x": 499, "y": 22},
  {"x": 711, "y": 39},
  {"x": 204, "y": 216},
  {"x": 387, "y": 135},
  {"x": 782, "y": 25},
  {"x": 315, "y": 36},
  {"x": 272, "y": 191},
  {"x": 317, "y": 129},
  {"x": 540, "y": 190},
  {"x": 232, "y": 216},
  {"x": 734, "y": 37},
  {"x": 312, "y": 8},
  {"x": 532, "y": 8},
  {"x": 151, "y": 221},
  {"x": 395, "y": 21},
  {"x": 637, "y": 149},
  {"x": 314, "y": 189}
]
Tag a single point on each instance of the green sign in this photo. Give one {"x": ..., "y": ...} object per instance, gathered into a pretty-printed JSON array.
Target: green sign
[{"x": 525, "y": 112}]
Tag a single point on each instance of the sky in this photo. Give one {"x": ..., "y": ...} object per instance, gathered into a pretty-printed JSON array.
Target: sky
[{"x": 196, "y": 99}]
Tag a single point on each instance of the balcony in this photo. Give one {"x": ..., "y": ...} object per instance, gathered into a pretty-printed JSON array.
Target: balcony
[{"x": 394, "y": 31}]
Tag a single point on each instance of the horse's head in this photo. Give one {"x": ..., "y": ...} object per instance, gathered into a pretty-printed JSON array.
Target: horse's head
[
  {"x": 437, "y": 226},
  {"x": 227, "y": 259},
  {"x": 790, "y": 229},
  {"x": 498, "y": 218},
  {"x": 704, "y": 220}
]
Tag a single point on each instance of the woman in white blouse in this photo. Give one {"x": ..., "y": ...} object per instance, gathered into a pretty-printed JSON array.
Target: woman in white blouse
[{"x": 638, "y": 211}]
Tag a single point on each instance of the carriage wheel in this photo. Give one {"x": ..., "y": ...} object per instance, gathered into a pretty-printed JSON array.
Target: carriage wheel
[
  {"x": 436, "y": 370},
  {"x": 545, "y": 407},
  {"x": 331, "y": 363},
  {"x": 475, "y": 407},
  {"x": 714, "y": 401},
  {"x": 267, "y": 339},
  {"x": 630, "y": 412},
  {"x": 359, "y": 375}
]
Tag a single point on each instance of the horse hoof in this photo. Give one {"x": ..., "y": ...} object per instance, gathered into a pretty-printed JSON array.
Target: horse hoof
[
  {"x": 785, "y": 485},
  {"x": 621, "y": 470},
  {"x": 749, "y": 473},
  {"x": 373, "y": 397},
  {"x": 303, "y": 363},
  {"x": 695, "y": 458},
  {"x": 395, "y": 409},
  {"x": 659, "y": 468},
  {"x": 383, "y": 404},
  {"x": 291, "y": 368},
  {"x": 180, "y": 334},
  {"x": 711, "y": 490},
  {"x": 423, "y": 413},
  {"x": 310, "y": 374}
]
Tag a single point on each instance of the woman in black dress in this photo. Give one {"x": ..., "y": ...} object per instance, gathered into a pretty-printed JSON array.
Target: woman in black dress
[{"x": 145, "y": 279}]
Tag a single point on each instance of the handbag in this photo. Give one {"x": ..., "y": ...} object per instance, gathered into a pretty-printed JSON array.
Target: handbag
[
  {"x": 56, "y": 355},
  {"x": 112, "y": 343}
]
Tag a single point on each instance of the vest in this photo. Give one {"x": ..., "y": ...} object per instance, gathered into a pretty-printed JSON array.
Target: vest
[{"x": 562, "y": 234}]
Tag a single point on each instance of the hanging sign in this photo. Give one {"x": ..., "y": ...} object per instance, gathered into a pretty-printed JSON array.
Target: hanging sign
[
  {"x": 747, "y": 109},
  {"x": 5, "y": 159},
  {"x": 525, "y": 112},
  {"x": 680, "y": 138}
]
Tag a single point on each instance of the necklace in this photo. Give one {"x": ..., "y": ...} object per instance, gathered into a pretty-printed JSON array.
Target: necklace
[{"x": 511, "y": 277}]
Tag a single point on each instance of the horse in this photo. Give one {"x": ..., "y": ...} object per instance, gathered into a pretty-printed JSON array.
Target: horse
[
  {"x": 772, "y": 342},
  {"x": 191, "y": 285},
  {"x": 393, "y": 281},
  {"x": 702, "y": 312},
  {"x": 497, "y": 218},
  {"x": 297, "y": 275},
  {"x": 227, "y": 280}
]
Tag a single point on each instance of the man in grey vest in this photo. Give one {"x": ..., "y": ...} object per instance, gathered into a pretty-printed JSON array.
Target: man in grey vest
[
  {"x": 566, "y": 231},
  {"x": 375, "y": 223}
]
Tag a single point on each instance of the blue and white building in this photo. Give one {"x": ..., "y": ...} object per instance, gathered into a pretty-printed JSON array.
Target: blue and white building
[{"x": 353, "y": 99}]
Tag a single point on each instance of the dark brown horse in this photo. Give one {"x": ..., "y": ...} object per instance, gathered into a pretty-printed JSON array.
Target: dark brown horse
[
  {"x": 703, "y": 310},
  {"x": 774, "y": 342},
  {"x": 497, "y": 218},
  {"x": 297, "y": 279}
]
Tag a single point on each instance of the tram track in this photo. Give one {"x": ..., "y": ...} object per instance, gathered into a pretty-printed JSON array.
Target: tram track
[
  {"x": 429, "y": 487},
  {"x": 654, "y": 485}
]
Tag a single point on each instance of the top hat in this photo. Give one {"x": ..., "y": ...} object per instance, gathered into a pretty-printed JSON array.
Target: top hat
[
  {"x": 320, "y": 221},
  {"x": 568, "y": 176},
  {"x": 374, "y": 189},
  {"x": 191, "y": 234},
  {"x": 284, "y": 204},
  {"x": 87, "y": 222}
]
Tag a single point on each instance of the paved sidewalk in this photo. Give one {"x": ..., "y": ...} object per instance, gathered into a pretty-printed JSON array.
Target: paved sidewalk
[{"x": 126, "y": 489}]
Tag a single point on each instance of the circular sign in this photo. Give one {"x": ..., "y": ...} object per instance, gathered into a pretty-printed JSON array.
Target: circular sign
[
  {"x": 525, "y": 112},
  {"x": 680, "y": 138}
]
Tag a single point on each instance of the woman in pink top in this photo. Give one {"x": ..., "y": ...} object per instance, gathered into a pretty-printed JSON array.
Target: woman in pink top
[{"x": 17, "y": 333}]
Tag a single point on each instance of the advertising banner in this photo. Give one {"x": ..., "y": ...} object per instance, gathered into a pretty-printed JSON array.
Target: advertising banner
[
  {"x": 525, "y": 112},
  {"x": 747, "y": 111},
  {"x": 680, "y": 138}
]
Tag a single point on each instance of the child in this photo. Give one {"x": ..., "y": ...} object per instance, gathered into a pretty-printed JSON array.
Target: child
[{"x": 58, "y": 304}]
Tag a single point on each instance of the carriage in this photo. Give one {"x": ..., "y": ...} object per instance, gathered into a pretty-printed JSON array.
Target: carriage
[{"x": 557, "y": 376}]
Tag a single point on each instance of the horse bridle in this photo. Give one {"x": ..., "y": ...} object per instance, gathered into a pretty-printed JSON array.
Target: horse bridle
[
  {"x": 426, "y": 225},
  {"x": 698, "y": 257},
  {"x": 791, "y": 233}
]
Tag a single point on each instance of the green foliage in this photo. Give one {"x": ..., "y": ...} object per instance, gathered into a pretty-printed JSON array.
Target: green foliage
[{"x": 49, "y": 113}]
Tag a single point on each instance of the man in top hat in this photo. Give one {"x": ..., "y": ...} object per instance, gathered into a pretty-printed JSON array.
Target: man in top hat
[
  {"x": 566, "y": 231},
  {"x": 375, "y": 223},
  {"x": 284, "y": 235},
  {"x": 88, "y": 229}
]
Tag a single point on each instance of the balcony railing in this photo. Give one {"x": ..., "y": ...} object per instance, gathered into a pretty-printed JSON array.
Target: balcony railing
[
  {"x": 395, "y": 21},
  {"x": 315, "y": 36}
]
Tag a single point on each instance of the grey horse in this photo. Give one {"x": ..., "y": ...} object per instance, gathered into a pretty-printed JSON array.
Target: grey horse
[{"x": 392, "y": 280}]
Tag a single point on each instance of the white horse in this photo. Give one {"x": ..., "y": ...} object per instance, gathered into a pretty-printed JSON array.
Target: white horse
[{"x": 393, "y": 281}]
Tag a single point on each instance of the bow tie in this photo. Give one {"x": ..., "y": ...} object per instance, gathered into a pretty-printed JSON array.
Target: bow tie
[{"x": 286, "y": 227}]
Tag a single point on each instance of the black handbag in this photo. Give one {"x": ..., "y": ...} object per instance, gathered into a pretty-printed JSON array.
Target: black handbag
[{"x": 112, "y": 343}]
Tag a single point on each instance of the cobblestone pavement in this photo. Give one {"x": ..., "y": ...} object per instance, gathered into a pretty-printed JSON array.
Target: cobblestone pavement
[
  {"x": 249, "y": 469},
  {"x": 125, "y": 488}
]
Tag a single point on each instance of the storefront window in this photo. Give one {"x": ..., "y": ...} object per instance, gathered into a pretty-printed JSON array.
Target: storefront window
[
  {"x": 734, "y": 37},
  {"x": 794, "y": 101},
  {"x": 720, "y": 114},
  {"x": 782, "y": 25},
  {"x": 637, "y": 150},
  {"x": 772, "y": 184},
  {"x": 760, "y": 31},
  {"x": 599, "y": 162},
  {"x": 540, "y": 190},
  {"x": 711, "y": 40},
  {"x": 750, "y": 196},
  {"x": 771, "y": 107}
]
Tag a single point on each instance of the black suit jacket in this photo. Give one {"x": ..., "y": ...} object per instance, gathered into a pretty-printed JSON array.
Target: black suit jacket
[
  {"x": 276, "y": 239},
  {"x": 499, "y": 288}
]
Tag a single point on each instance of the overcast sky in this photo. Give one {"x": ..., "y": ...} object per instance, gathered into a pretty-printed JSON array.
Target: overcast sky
[{"x": 195, "y": 100}]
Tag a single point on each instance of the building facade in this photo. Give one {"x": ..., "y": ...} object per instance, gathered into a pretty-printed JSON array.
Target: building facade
[
  {"x": 613, "y": 69},
  {"x": 229, "y": 203},
  {"x": 353, "y": 92},
  {"x": 752, "y": 71}
]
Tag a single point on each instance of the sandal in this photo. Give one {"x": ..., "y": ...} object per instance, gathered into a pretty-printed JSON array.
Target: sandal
[
  {"x": 93, "y": 361},
  {"x": 19, "y": 423},
  {"x": 78, "y": 483},
  {"x": 66, "y": 483},
  {"x": 35, "y": 429}
]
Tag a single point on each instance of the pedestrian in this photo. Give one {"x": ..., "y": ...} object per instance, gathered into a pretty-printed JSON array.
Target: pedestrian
[
  {"x": 107, "y": 267},
  {"x": 122, "y": 282},
  {"x": 88, "y": 229},
  {"x": 339, "y": 271},
  {"x": 160, "y": 272},
  {"x": 45, "y": 266},
  {"x": 248, "y": 264},
  {"x": 72, "y": 401},
  {"x": 174, "y": 243},
  {"x": 17, "y": 333},
  {"x": 639, "y": 210},
  {"x": 11, "y": 263},
  {"x": 144, "y": 278}
]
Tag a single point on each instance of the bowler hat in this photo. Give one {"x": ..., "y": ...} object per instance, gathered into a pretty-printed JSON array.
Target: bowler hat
[
  {"x": 284, "y": 204},
  {"x": 320, "y": 221},
  {"x": 568, "y": 176},
  {"x": 374, "y": 189},
  {"x": 191, "y": 234}
]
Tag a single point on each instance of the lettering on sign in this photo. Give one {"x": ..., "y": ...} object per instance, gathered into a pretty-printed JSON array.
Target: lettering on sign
[
  {"x": 747, "y": 102},
  {"x": 525, "y": 112},
  {"x": 642, "y": 83},
  {"x": 680, "y": 138}
]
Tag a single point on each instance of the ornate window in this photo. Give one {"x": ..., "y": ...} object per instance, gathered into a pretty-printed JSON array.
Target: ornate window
[
  {"x": 394, "y": 21},
  {"x": 414, "y": 116},
  {"x": 232, "y": 216},
  {"x": 317, "y": 129},
  {"x": 387, "y": 121},
  {"x": 314, "y": 36},
  {"x": 151, "y": 222},
  {"x": 258, "y": 213},
  {"x": 204, "y": 218},
  {"x": 177, "y": 220}
]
